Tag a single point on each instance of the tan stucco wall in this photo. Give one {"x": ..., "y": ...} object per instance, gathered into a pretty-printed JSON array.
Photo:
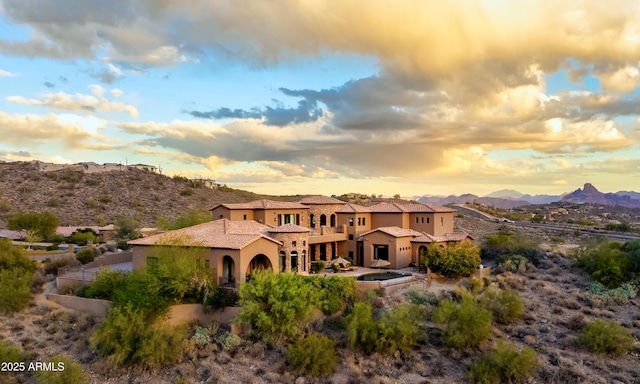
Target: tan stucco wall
[
  {"x": 260, "y": 246},
  {"x": 221, "y": 212},
  {"x": 425, "y": 222},
  {"x": 399, "y": 249},
  {"x": 270, "y": 216},
  {"x": 443, "y": 223},
  {"x": 389, "y": 220},
  {"x": 238, "y": 215}
]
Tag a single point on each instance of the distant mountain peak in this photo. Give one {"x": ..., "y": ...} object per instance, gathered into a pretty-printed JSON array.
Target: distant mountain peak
[{"x": 590, "y": 189}]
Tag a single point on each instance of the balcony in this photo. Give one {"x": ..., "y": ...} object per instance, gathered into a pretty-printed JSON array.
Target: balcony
[{"x": 328, "y": 234}]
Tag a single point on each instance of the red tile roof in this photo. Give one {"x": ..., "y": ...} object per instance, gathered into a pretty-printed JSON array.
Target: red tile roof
[
  {"x": 262, "y": 204},
  {"x": 455, "y": 236},
  {"x": 221, "y": 233},
  {"x": 408, "y": 208},
  {"x": 394, "y": 231},
  {"x": 321, "y": 200},
  {"x": 353, "y": 208}
]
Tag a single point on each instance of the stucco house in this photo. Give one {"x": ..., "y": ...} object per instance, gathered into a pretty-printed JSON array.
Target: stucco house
[{"x": 288, "y": 236}]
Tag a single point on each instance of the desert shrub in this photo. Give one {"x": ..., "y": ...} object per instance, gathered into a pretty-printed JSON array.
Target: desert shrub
[
  {"x": 607, "y": 262},
  {"x": 313, "y": 355},
  {"x": 418, "y": 296},
  {"x": 186, "y": 192},
  {"x": 92, "y": 182},
  {"x": 143, "y": 291},
  {"x": 606, "y": 337},
  {"x": 476, "y": 285},
  {"x": 221, "y": 298},
  {"x": 453, "y": 261},
  {"x": 506, "y": 305},
  {"x": 362, "y": 330},
  {"x": 502, "y": 245},
  {"x": 69, "y": 372},
  {"x": 127, "y": 338},
  {"x": 504, "y": 365},
  {"x": 45, "y": 223},
  {"x": 105, "y": 284},
  {"x": 399, "y": 330},
  {"x": 122, "y": 244},
  {"x": 86, "y": 254},
  {"x": 10, "y": 353},
  {"x": 623, "y": 293},
  {"x": 335, "y": 292},
  {"x": 464, "y": 325},
  {"x": 5, "y": 204},
  {"x": 275, "y": 305},
  {"x": 633, "y": 255},
  {"x": 51, "y": 266},
  {"x": 228, "y": 341},
  {"x": 16, "y": 277},
  {"x": 126, "y": 229},
  {"x": 317, "y": 266},
  {"x": 513, "y": 263},
  {"x": 202, "y": 335},
  {"x": 82, "y": 237}
]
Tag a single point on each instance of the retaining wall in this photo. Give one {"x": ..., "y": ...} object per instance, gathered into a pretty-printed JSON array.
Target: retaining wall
[{"x": 178, "y": 314}]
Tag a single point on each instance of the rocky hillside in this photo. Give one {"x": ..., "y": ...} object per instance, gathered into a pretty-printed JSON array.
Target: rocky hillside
[{"x": 82, "y": 198}]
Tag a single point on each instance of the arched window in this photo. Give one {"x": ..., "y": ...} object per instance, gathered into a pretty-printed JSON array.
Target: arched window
[
  {"x": 304, "y": 261},
  {"x": 313, "y": 220},
  {"x": 333, "y": 220},
  {"x": 323, "y": 220},
  {"x": 294, "y": 261},
  {"x": 283, "y": 261}
]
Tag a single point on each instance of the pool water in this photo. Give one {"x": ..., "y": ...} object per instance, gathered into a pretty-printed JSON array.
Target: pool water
[{"x": 382, "y": 276}]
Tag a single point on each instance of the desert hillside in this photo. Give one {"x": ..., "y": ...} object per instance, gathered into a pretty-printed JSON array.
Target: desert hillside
[{"x": 80, "y": 198}]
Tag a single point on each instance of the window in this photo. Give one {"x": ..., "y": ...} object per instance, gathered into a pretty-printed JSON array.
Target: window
[
  {"x": 417, "y": 220},
  {"x": 304, "y": 243},
  {"x": 359, "y": 221},
  {"x": 351, "y": 255},
  {"x": 422, "y": 220},
  {"x": 313, "y": 221},
  {"x": 351, "y": 221},
  {"x": 350, "y": 237},
  {"x": 283, "y": 261},
  {"x": 294, "y": 243},
  {"x": 427, "y": 220},
  {"x": 221, "y": 216},
  {"x": 244, "y": 217},
  {"x": 363, "y": 219},
  {"x": 294, "y": 261},
  {"x": 442, "y": 221}
]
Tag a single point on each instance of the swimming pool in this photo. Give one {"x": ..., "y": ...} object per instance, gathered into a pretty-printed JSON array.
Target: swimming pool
[{"x": 382, "y": 276}]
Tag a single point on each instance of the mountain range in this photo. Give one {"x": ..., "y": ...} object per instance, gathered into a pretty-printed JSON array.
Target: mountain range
[{"x": 508, "y": 198}]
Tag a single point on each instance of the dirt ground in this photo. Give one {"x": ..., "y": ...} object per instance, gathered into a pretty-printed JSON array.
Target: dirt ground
[{"x": 557, "y": 305}]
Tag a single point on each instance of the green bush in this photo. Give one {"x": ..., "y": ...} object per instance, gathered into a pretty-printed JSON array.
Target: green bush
[
  {"x": 86, "y": 254},
  {"x": 336, "y": 292},
  {"x": 317, "y": 266},
  {"x": 15, "y": 289},
  {"x": 45, "y": 223},
  {"x": 127, "y": 338},
  {"x": 501, "y": 246},
  {"x": 453, "y": 261},
  {"x": 10, "y": 353},
  {"x": 105, "y": 285},
  {"x": 362, "y": 330},
  {"x": 186, "y": 192},
  {"x": 186, "y": 219},
  {"x": 504, "y": 365},
  {"x": 276, "y": 305},
  {"x": 633, "y": 255},
  {"x": 399, "y": 330},
  {"x": 607, "y": 337},
  {"x": 16, "y": 277},
  {"x": 82, "y": 237},
  {"x": 221, "y": 298},
  {"x": 506, "y": 305},
  {"x": 313, "y": 355},
  {"x": 464, "y": 325},
  {"x": 228, "y": 341},
  {"x": 418, "y": 296},
  {"x": 69, "y": 372},
  {"x": 143, "y": 291},
  {"x": 607, "y": 262}
]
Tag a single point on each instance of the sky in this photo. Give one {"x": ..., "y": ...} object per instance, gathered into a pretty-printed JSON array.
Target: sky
[{"x": 309, "y": 96}]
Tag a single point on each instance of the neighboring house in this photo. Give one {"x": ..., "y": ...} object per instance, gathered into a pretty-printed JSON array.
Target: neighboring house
[
  {"x": 12, "y": 235},
  {"x": 106, "y": 232},
  {"x": 145, "y": 167},
  {"x": 291, "y": 235}
]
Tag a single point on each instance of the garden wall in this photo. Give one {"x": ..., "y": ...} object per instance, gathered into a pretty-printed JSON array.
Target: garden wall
[{"x": 177, "y": 314}]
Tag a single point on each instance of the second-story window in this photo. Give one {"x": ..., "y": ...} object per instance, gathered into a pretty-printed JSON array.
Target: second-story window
[
  {"x": 294, "y": 243},
  {"x": 351, "y": 221}
]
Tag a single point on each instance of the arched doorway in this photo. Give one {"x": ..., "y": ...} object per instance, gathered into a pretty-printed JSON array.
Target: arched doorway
[
  {"x": 323, "y": 220},
  {"x": 304, "y": 261},
  {"x": 259, "y": 262},
  {"x": 283, "y": 261},
  {"x": 294, "y": 261},
  {"x": 228, "y": 270},
  {"x": 422, "y": 251},
  {"x": 333, "y": 220}
]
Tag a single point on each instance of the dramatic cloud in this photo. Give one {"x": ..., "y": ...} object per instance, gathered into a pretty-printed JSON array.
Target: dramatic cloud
[{"x": 61, "y": 100}]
